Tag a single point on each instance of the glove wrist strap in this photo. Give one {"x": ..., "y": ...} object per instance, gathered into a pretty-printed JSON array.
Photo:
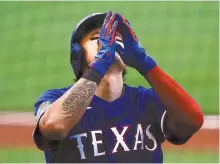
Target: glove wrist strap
[
  {"x": 92, "y": 75},
  {"x": 149, "y": 64}
]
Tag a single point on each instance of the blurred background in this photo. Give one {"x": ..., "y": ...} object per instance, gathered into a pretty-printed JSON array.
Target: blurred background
[{"x": 34, "y": 56}]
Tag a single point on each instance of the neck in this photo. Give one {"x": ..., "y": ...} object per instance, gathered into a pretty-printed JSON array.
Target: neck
[{"x": 111, "y": 85}]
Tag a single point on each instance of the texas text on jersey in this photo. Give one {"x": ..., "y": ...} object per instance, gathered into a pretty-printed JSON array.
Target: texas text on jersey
[{"x": 125, "y": 130}]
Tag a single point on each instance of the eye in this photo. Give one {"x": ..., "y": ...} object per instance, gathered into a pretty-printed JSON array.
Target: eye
[{"x": 94, "y": 38}]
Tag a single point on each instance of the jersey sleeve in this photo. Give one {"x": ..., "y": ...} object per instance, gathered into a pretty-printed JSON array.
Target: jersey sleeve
[
  {"x": 159, "y": 110},
  {"x": 160, "y": 117},
  {"x": 41, "y": 105}
]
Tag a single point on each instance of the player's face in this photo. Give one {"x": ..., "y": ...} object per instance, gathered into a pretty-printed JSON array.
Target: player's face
[{"x": 89, "y": 44}]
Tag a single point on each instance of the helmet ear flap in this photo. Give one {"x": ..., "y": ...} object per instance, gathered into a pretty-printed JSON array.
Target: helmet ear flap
[{"x": 77, "y": 59}]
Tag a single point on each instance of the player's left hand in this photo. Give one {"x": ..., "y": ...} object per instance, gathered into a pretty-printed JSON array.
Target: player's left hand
[{"x": 133, "y": 53}]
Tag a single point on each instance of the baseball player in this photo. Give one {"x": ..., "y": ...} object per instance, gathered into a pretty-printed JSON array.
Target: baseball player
[{"x": 101, "y": 119}]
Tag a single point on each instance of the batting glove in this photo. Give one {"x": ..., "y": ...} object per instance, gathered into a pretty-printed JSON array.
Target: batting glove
[
  {"x": 133, "y": 53},
  {"x": 106, "y": 45}
]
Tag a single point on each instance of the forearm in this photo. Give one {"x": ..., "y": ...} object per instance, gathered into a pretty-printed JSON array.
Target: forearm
[
  {"x": 65, "y": 113},
  {"x": 180, "y": 106}
]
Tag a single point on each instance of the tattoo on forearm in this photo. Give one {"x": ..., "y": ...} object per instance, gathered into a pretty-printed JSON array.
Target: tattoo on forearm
[{"x": 78, "y": 98}]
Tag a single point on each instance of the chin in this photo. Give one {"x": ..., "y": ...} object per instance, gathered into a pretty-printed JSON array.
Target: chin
[{"x": 119, "y": 63}]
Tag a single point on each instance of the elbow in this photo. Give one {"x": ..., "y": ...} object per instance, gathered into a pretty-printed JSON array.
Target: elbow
[
  {"x": 195, "y": 123},
  {"x": 198, "y": 118},
  {"x": 179, "y": 131},
  {"x": 201, "y": 120},
  {"x": 53, "y": 130}
]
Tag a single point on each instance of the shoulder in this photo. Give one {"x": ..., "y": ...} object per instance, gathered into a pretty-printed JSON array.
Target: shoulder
[
  {"x": 141, "y": 91},
  {"x": 49, "y": 96}
]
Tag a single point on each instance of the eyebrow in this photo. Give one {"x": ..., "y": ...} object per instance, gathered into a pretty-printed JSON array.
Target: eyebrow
[{"x": 95, "y": 33}]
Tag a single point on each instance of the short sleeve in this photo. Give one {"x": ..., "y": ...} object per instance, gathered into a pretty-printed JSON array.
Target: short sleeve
[
  {"x": 42, "y": 104},
  {"x": 159, "y": 111},
  {"x": 161, "y": 119},
  {"x": 45, "y": 100},
  {"x": 154, "y": 110}
]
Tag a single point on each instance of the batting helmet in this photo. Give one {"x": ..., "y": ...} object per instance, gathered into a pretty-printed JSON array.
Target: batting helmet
[{"x": 88, "y": 23}]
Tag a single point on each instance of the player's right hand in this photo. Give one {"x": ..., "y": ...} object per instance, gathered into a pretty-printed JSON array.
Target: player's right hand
[{"x": 106, "y": 45}]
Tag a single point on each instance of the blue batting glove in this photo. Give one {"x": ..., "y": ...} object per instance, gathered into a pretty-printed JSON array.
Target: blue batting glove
[
  {"x": 133, "y": 53},
  {"x": 106, "y": 45}
]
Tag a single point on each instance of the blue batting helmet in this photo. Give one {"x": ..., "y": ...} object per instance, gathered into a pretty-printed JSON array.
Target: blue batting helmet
[{"x": 77, "y": 58}]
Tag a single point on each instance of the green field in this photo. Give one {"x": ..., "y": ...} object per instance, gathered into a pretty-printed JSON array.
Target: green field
[
  {"x": 36, "y": 156},
  {"x": 34, "y": 37}
]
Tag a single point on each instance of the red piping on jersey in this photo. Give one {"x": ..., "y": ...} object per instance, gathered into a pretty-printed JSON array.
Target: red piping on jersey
[{"x": 178, "y": 102}]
